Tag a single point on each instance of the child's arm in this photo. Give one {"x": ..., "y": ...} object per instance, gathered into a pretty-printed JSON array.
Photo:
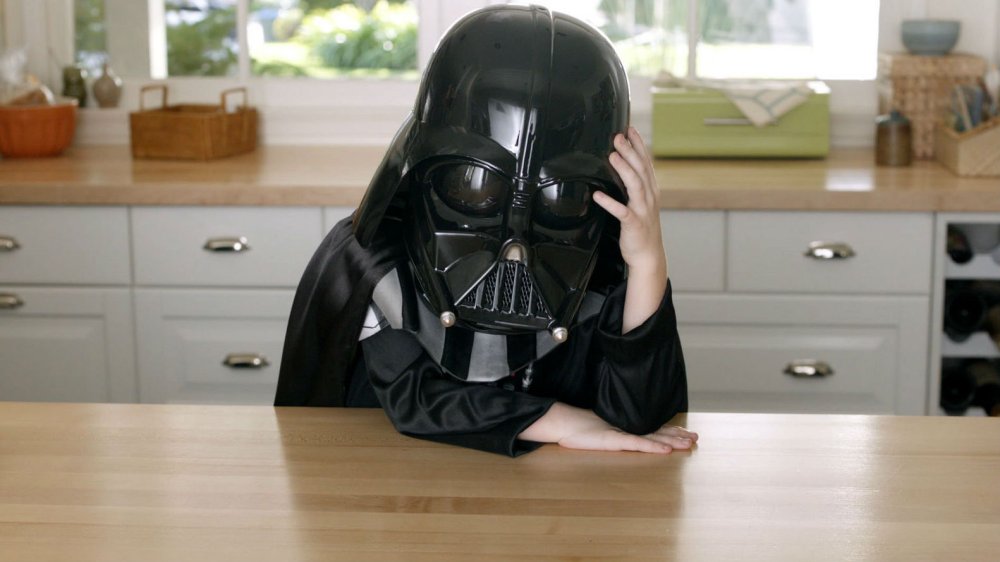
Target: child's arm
[
  {"x": 642, "y": 249},
  {"x": 641, "y": 243}
]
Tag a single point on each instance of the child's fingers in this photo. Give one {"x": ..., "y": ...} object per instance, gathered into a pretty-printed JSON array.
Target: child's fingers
[
  {"x": 675, "y": 441},
  {"x": 635, "y": 156},
  {"x": 676, "y": 431},
  {"x": 647, "y": 158},
  {"x": 642, "y": 444},
  {"x": 613, "y": 207},
  {"x": 634, "y": 184}
]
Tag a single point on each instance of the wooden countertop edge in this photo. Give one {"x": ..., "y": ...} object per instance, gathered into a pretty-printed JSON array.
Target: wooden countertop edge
[{"x": 181, "y": 194}]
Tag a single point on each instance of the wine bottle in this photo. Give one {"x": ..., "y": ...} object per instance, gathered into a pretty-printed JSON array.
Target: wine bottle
[
  {"x": 958, "y": 388},
  {"x": 958, "y": 246},
  {"x": 975, "y": 383},
  {"x": 964, "y": 313},
  {"x": 987, "y": 381}
]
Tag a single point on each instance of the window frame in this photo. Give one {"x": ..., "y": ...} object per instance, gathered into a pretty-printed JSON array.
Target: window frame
[{"x": 363, "y": 111}]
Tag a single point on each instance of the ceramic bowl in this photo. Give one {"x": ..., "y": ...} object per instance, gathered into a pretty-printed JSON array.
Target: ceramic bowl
[
  {"x": 930, "y": 37},
  {"x": 37, "y": 130}
]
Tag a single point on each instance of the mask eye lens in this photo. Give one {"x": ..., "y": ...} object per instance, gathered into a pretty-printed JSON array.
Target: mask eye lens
[
  {"x": 564, "y": 205},
  {"x": 470, "y": 189}
]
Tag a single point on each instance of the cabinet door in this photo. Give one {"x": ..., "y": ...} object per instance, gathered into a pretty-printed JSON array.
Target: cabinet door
[
  {"x": 769, "y": 354},
  {"x": 186, "y": 336},
  {"x": 66, "y": 345}
]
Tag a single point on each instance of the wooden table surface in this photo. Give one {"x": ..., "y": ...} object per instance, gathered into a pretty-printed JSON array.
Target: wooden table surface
[
  {"x": 145, "y": 482},
  {"x": 338, "y": 175}
]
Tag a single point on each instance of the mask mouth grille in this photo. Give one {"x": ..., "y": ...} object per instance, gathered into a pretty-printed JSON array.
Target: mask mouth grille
[{"x": 507, "y": 290}]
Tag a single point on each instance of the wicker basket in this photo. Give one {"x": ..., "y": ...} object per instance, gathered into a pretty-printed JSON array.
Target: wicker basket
[
  {"x": 972, "y": 153},
  {"x": 920, "y": 87},
  {"x": 192, "y": 131}
]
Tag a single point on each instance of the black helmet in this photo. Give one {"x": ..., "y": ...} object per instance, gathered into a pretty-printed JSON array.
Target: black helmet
[{"x": 494, "y": 170}]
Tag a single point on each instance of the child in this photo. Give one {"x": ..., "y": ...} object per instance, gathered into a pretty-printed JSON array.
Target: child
[{"x": 478, "y": 294}]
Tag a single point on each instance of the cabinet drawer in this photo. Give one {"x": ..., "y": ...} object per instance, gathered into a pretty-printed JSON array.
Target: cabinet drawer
[
  {"x": 171, "y": 245},
  {"x": 737, "y": 349},
  {"x": 184, "y": 336},
  {"x": 892, "y": 252},
  {"x": 64, "y": 245},
  {"x": 695, "y": 246},
  {"x": 67, "y": 345}
]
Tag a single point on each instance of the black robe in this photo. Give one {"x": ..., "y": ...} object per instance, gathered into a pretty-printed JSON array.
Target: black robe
[{"x": 635, "y": 382}]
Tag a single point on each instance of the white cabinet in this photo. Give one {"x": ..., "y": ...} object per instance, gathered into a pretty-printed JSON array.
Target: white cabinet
[
  {"x": 65, "y": 307},
  {"x": 206, "y": 347},
  {"x": 818, "y": 354},
  {"x": 224, "y": 246},
  {"x": 67, "y": 345},
  {"x": 202, "y": 336},
  {"x": 840, "y": 300},
  {"x": 808, "y": 252},
  {"x": 695, "y": 246}
]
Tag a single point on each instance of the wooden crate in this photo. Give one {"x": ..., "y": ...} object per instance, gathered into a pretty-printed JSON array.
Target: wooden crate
[
  {"x": 920, "y": 87},
  {"x": 972, "y": 153},
  {"x": 192, "y": 131}
]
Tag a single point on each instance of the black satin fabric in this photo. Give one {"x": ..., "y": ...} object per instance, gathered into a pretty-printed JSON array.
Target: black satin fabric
[
  {"x": 635, "y": 382},
  {"x": 327, "y": 313}
]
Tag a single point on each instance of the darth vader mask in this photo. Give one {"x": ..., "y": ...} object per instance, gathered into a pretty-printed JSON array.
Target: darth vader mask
[{"x": 494, "y": 171}]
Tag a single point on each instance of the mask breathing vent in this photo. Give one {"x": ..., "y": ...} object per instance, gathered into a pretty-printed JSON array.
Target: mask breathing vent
[{"x": 508, "y": 290}]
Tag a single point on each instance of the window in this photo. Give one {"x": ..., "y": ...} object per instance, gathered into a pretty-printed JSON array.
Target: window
[
  {"x": 282, "y": 38},
  {"x": 827, "y": 39}
]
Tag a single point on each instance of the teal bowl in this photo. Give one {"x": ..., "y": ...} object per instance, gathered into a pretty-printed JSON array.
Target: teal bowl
[{"x": 930, "y": 37}]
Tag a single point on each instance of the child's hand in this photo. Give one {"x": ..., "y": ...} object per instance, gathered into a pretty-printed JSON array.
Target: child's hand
[
  {"x": 641, "y": 243},
  {"x": 577, "y": 428}
]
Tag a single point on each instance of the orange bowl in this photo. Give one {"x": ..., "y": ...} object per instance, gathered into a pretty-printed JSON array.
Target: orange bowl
[{"x": 37, "y": 130}]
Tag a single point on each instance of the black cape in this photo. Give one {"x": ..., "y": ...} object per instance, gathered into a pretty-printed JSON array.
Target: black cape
[{"x": 329, "y": 307}]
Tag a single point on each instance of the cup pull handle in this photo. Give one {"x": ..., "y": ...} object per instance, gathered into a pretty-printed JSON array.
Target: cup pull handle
[
  {"x": 808, "y": 369},
  {"x": 10, "y": 301},
  {"x": 245, "y": 361},
  {"x": 830, "y": 251},
  {"x": 227, "y": 244},
  {"x": 8, "y": 244}
]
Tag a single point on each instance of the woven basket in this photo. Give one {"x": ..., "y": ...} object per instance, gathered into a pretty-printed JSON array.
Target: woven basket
[
  {"x": 972, "y": 153},
  {"x": 192, "y": 131},
  {"x": 920, "y": 87}
]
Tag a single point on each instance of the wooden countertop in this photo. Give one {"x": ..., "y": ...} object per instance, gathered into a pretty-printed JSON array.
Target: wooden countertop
[
  {"x": 338, "y": 175},
  {"x": 147, "y": 482}
]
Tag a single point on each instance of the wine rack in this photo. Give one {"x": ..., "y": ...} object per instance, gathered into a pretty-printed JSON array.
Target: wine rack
[{"x": 967, "y": 337}]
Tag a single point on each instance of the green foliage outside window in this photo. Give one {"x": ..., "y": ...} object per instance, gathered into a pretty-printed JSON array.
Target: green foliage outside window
[{"x": 201, "y": 47}]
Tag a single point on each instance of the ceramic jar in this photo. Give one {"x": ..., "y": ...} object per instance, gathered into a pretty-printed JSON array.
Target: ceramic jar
[{"x": 108, "y": 88}]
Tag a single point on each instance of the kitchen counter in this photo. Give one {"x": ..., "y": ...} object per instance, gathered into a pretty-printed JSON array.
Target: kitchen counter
[
  {"x": 338, "y": 175},
  {"x": 170, "y": 482}
]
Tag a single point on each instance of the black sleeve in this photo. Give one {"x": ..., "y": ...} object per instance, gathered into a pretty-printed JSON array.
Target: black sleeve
[
  {"x": 639, "y": 378},
  {"x": 423, "y": 402}
]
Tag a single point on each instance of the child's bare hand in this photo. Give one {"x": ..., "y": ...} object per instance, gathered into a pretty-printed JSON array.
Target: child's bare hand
[
  {"x": 641, "y": 243},
  {"x": 604, "y": 437},
  {"x": 578, "y": 428}
]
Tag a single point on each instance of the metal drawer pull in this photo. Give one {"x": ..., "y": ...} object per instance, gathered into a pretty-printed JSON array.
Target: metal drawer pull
[
  {"x": 830, "y": 251},
  {"x": 246, "y": 361},
  {"x": 808, "y": 369},
  {"x": 10, "y": 301},
  {"x": 8, "y": 244},
  {"x": 227, "y": 244}
]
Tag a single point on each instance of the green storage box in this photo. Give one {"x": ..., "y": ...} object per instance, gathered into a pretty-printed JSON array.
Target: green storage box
[{"x": 703, "y": 123}]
